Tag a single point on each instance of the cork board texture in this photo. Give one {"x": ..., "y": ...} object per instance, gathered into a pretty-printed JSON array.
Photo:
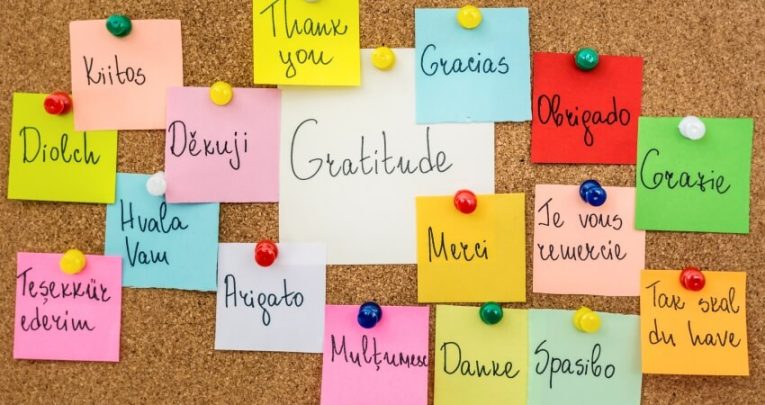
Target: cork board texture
[{"x": 703, "y": 57}]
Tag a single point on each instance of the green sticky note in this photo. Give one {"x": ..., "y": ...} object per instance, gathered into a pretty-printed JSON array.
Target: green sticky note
[
  {"x": 569, "y": 366},
  {"x": 696, "y": 186},
  {"x": 50, "y": 161}
]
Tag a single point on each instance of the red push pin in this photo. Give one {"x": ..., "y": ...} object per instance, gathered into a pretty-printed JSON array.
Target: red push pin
[
  {"x": 465, "y": 201},
  {"x": 58, "y": 103},
  {"x": 266, "y": 252},
  {"x": 692, "y": 278}
]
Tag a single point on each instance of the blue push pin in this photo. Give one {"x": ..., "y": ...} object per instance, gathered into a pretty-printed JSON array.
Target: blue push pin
[
  {"x": 592, "y": 193},
  {"x": 369, "y": 314}
]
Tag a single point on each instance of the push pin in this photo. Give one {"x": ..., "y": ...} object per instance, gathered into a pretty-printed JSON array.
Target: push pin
[
  {"x": 383, "y": 58},
  {"x": 58, "y": 103},
  {"x": 692, "y": 278},
  {"x": 692, "y": 128},
  {"x": 465, "y": 201},
  {"x": 592, "y": 193},
  {"x": 221, "y": 93},
  {"x": 469, "y": 17},
  {"x": 119, "y": 25},
  {"x": 156, "y": 185},
  {"x": 72, "y": 261},
  {"x": 586, "y": 59},
  {"x": 491, "y": 313},
  {"x": 586, "y": 320},
  {"x": 369, "y": 314},
  {"x": 266, "y": 253}
]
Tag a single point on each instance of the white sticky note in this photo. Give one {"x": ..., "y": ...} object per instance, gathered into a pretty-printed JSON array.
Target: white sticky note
[
  {"x": 353, "y": 160},
  {"x": 279, "y": 308}
]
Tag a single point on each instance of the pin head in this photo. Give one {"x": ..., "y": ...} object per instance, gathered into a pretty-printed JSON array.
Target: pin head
[
  {"x": 465, "y": 201},
  {"x": 221, "y": 93},
  {"x": 119, "y": 25},
  {"x": 469, "y": 17},
  {"x": 490, "y": 313},
  {"x": 156, "y": 185},
  {"x": 369, "y": 314},
  {"x": 592, "y": 193},
  {"x": 692, "y": 128},
  {"x": 72, "y": 261},
  {"x": 692, "y": 278},
  {"x": 58, "y": 103},
  {"x": 586, "y": 59},
  {"x": 383, "y": 58},
  {"x": 266, "y": 252},
  {"x": 586, "y": 320}
]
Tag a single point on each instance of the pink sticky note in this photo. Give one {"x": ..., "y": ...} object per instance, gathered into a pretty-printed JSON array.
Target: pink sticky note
[
  {"x": 387, "y": 364},
  {"x": 224, "y": 153},
  {"x": 120, "y": 82},
  {"x": 582, "y": 249},
  {"x": 67, "y": 317}
]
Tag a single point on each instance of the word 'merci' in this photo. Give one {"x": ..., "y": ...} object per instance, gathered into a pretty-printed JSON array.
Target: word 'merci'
[
  {"x": 35, "y": 150},
  {"x": 111, "y": 75},
  {"x": 548, "y": 109},
  {"x": 375, "y": 162},
  {"x": 373, "y": 357},
  {"x": 183, "y": 141},
  {"x": 263, "y": 300},
  {"x": 308, "y": 27}
]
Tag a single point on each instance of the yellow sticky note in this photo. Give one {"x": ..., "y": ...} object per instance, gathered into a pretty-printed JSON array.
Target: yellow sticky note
[
  {"x": 50, "y": 161},
  {"x": 478, "y": 363},
  {"x": 306, "y": 43},
  {"x": 473, "y": 257},
  {"x": 693, "y": 332}
]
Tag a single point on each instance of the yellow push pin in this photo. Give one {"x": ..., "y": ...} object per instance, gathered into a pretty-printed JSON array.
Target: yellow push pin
[
  {"x": 383, "y": 58},
  {"x": 586, "y": 320},
  {"x": 221, "y": 93},
  {"x": 469, "y": 17},
  {"x": 73, "y": 261}
]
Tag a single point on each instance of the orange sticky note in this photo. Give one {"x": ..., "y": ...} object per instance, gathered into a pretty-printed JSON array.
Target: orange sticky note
[
  {"x": 693, "y": 332},
  {"x": 473, "y": 257},
  {"x": 121, "y": 82}
]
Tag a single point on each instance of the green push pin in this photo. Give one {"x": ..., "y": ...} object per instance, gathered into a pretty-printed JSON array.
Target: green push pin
[
  {"x": 491, "y": 313},
  {"x": 119, "y": 25},
  {"x": 586, "y": 59}
]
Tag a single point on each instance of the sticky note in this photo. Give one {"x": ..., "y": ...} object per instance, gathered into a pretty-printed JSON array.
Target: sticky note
[
  {"x": 694, "y": 332},
  {"x": 478, "y": 363},
  {"x": 386, "y": 364},
  {"x": 222, "y": 153},
  {"x": 474, "y": 257},
  {"x": 67, "y": 317},
  {"x": 585, "y": 116},
  {"x": 120, "y": 82},
  {"x": 597, "y": 368},
  {"x": 306, "y": 43},
  {"x": 260, "y": 308},
  {"x": 478, "y": 75},
  {"x": 352, "y": 164},
  {"x": 696, "y": 186},
  {"x": 583, "y": 249},
  {"x": 162, "y": 245},
  {"x": 50, "y": 161}
]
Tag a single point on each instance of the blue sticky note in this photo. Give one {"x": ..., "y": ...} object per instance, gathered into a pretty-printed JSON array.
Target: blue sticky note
[
  {"x": 597, "y": 368},
  {"x": 162, "y": 245},
  {"x": 478, "y": 75}
]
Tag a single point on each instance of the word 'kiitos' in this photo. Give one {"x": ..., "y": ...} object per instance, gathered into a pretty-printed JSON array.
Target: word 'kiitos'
[
  {"x": 265, "y": 301},
  {"x": 112, "y": 75},
  {"x": 371, "y": 356},
  {"x": 548, "y": 110},
  {"x": 671, "y": 180},
  {"x": 473, "y": 64},
  {"x": 583, "y": 367},
  {"x": 183, "y": 141},
  {"x": 34, "y": 148},
  {"x": 454, "y": 363}
]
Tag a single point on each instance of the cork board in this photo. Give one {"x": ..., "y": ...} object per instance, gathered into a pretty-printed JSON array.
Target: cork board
[{"x": 701, "y": 57}]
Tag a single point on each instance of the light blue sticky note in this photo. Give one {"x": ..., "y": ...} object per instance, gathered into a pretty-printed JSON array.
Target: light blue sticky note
[
  {"x": 597, "y": 368},
  {"x": 162, "y": 245},
  {"x": 478, "y": 75}
]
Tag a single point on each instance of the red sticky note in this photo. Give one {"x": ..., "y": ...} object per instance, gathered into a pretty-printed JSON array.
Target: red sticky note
[{"x": 585, "y": 116}]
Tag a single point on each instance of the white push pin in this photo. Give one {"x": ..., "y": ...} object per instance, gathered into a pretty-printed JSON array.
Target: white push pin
[
  {"x": 156, "y": 185},
  {"x": 692, "y": 128}
]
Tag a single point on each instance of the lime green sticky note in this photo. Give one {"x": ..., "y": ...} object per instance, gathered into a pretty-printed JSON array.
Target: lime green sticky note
[
  {"x": 50, "y": 161},
  {"x": 696, "y": 186},
  {"x": 477, "y": 363}
]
